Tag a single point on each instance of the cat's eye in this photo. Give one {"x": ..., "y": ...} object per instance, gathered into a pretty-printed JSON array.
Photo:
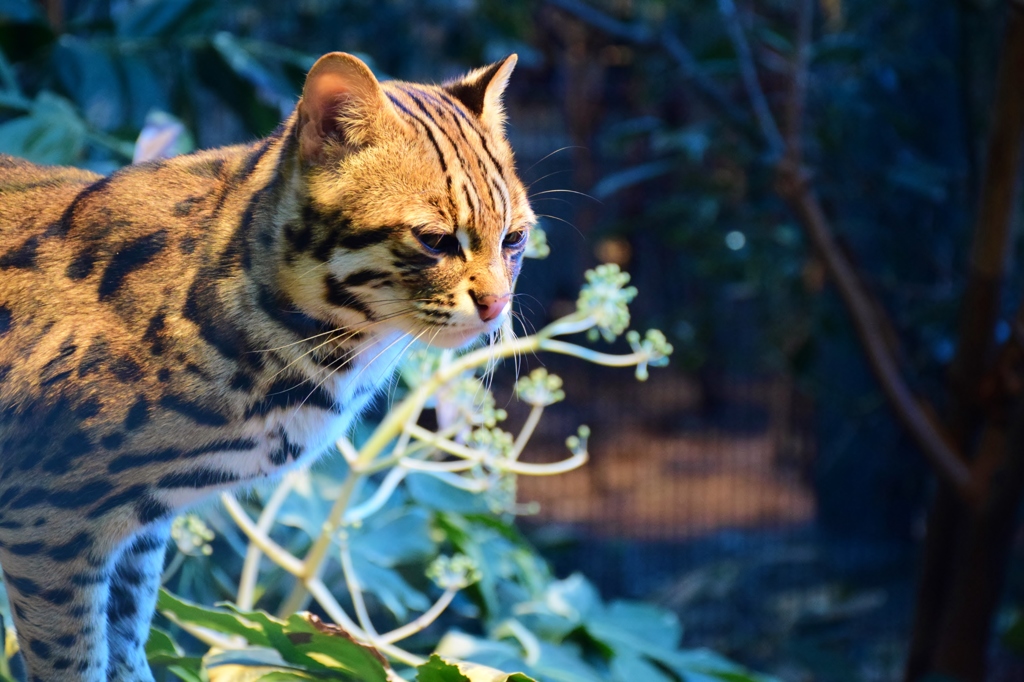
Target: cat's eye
[
  {"x": 437, "y": 242},
  {"x": 514, "y": 239}
]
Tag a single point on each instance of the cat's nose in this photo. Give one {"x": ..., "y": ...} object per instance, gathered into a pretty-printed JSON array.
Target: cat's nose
[{"x": 489, "y": 306}]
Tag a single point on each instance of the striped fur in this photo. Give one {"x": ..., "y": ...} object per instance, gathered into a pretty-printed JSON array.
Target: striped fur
[{"x": 186, "y": 326}]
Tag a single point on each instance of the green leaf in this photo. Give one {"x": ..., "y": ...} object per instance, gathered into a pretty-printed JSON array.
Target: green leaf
[
  {"x": 302, "y": 640},
  {"x": 439, "y": 670},
  {"x": 235, "y": 91},
  {"x": 270, "y": 87},
  {"x": 396, "y": 538},
  {"x": 500, "y": 654},
  {"x": 1013, "y": 637},
  {"x": 21, "y": 12},
  {"x": 90, "y": 76},
  {"x": 436, "y": 494},
  {"x": 700, "y": 665},
  {"x": 629, "y": 667},
  {"x": 51, "y": 133},
  {"x": 214, "y": 619},
  {"x": 574, "y": 598},
  {"x": 308, "y": 504},
  {"x": 252, "y": 664},
  {"x": 388, "y": 585},
  {"x": 638, "y": 627},
  {"x": 160, "y": 643},
  {"x": 165, "y": 19},
  {"x": 563, "y": 664}
]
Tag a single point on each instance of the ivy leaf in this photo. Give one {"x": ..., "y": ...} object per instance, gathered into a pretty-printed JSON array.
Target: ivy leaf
[
  {"x": 52, "y": 133},
  {"x": 390, "y": 587},
  {"x": 436, "y": 494},
  {"x": 163, "y": 652},
  {"x": 564, "y": 664},
  {"x": 500, "y": 654},
  {"x": 438, "y": 669},
  {"x": 396, "y": 538},
  {"x": 634, "y": 626},
  {"x": 252, "y": 664},
  {"x": 303, "y": 640},
  {"x": 628, "y": 667},
  {"x": 165, "y": 19}
]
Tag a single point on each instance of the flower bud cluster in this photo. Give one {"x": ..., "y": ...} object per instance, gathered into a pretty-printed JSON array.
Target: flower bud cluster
[
  {"x": 453, "y": 572},
  {"x": 540, "y": 389},
  {"x": 654, "y": 346},
  {"x": 192, "y": 535},
  {"x": 605, "y": 299}
]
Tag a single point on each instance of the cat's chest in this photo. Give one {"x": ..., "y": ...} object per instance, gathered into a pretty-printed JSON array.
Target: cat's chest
[{"x": 283, "y": 437}]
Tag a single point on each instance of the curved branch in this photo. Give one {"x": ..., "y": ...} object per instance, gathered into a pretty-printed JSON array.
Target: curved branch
[
  {"x": 748, "y": 71},
  {"x": 645, "y": 36},
  {"x": 864, "y": 314}
]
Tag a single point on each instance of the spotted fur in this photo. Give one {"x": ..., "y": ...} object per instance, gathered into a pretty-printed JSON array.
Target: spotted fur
[{"x": 186, "y": 326}]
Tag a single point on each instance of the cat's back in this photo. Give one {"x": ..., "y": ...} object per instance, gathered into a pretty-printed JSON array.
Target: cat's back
[
  {"x": 86, "y": 262},
  {"x": 32, "y": 194}
]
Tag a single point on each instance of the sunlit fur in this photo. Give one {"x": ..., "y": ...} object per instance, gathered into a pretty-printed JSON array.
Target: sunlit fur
[{"x": 190, "y": 325}]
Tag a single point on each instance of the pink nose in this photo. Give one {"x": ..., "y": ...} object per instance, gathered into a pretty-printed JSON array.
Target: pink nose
[{"x": 489, "y": 306}]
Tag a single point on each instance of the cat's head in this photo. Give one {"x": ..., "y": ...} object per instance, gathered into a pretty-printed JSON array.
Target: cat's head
[{"x": 414, "y": 217}]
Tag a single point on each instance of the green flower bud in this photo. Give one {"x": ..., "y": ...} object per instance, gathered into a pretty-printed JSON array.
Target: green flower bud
[
  {"x": 605, "y": 298},
  {"x": 540, "y": 388},
  {"x": 454, "y": 572}
]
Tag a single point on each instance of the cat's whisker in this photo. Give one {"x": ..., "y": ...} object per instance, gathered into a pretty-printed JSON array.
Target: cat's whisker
[
  {"x": 345, "y": 360},
  {"x": 545, "y": 177},
  {"x": 548, "y": 156},
  {"x": 308, "y": 271},
  {"x": 330, "y": 331},
  {"x": 565, "y": 191},
  {"x": 563, "y": 220},
  {"x": 386, "y": 349},
  {"x": 341, "y": 340}
]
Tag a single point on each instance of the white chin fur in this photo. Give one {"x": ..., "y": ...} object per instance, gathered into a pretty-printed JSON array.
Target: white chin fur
[{"x": 456, "y": 338}]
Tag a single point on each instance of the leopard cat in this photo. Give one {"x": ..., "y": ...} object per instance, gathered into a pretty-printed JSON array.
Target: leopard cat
[{"x": 185, "y": 326}]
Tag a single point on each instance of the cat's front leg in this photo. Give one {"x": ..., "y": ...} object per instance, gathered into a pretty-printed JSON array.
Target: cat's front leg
[
  {"x": 58, "y": 593},
  {"x": 134, "y": 584}
]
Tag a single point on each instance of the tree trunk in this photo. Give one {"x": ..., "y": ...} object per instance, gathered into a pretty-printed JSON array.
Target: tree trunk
[{"x": 967, "y": 544}]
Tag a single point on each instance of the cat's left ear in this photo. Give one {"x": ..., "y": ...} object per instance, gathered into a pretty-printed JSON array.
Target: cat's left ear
[
  {"x": 481, "y": 90},
  {"x": 343, "y": 107}
]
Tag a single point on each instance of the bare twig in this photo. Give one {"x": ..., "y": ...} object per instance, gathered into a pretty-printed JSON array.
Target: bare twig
[
  {"x": 915, "y": 418},
  {"x": 748, "y": 71},
  {"x": 797, "y": 103},
  {"x": 645, "y": 36},
  {"x": 868, "y": 319}
]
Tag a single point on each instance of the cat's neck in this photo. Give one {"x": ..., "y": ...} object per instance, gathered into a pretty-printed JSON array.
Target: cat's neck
[{"x": 259, "y": 269}]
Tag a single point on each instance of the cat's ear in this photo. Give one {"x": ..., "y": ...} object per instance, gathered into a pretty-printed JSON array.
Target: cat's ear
[
  {"x": 481, "y": 90},
  {"x": 342, "y": 107}
]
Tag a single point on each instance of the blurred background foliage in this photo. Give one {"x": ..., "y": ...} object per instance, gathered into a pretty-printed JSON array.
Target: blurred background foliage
[{"x": 671, "y": 187}]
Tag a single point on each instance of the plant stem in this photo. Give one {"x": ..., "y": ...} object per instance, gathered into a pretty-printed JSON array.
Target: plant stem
[
  {"x": 312, "y": 565},
  {"x": 251, "y": 566},
  {"x": 423, "y": 621},
  {"x": 355, "y": 590},
  {"x": 527, "y": 431},
  {"x": 276, "y": 552}
]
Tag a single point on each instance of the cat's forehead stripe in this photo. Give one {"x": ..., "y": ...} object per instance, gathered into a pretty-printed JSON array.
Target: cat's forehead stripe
[{"x": 466, "y": 141}]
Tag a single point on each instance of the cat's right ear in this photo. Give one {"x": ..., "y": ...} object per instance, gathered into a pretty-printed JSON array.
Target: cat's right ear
[{"x": 342, "y": 107}]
